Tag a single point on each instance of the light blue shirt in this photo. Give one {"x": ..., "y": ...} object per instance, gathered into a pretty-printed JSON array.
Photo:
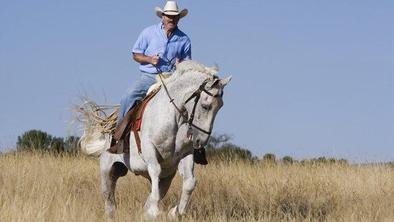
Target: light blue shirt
[{"x": 153, "y": 40}]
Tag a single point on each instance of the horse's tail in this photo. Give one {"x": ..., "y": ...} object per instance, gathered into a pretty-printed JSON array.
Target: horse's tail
[
  {"x": 97, "y": 126},
  {"x": 93, "y": 142}
]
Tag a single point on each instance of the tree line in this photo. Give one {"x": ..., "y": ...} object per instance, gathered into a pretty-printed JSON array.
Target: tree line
[
  {"x": 219, "y": 147},
  {"x": 40, "y": 140}
]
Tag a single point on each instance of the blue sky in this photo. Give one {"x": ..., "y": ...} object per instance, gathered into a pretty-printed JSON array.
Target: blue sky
[{"x": 310, "y": 78}]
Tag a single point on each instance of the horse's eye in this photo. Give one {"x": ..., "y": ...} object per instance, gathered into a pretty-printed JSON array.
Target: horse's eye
[{"x": 206, "y": 107}]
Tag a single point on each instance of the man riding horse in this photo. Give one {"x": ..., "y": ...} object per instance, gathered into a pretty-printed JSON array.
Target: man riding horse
[{"x": 158, "y": 49}]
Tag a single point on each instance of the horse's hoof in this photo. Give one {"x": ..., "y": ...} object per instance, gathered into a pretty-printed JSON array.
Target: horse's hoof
[
  {"x": 110, "y": 212},
  {"x": 173, "y": 212},
  {"x": 109, "y": 219},
  {"x": 152, "y": 213}
]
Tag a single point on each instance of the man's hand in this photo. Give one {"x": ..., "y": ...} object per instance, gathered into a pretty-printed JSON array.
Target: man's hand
[
  {"x": 141, "y": 58},
  {"x": 154, "y": 60},
  {"x": 177, "y": 61}
]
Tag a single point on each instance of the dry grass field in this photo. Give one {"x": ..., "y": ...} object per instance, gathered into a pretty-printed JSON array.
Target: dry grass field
[{"x": 42, "y": 187}]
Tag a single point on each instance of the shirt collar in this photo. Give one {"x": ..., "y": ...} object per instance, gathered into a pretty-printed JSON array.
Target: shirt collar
[{"x": 161, "y": 26}]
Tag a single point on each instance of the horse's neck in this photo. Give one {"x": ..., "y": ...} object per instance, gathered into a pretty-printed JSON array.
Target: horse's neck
[{"x": 185, "y": 85}]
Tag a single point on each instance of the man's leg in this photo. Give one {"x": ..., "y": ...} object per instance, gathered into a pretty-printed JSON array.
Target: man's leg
[{"x": 135, "y": 93}]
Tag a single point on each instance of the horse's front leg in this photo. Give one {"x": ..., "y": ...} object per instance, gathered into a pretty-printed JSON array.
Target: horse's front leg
[
  {"x": 186, "y": 170},
  {"x": 152, "y": 203}
]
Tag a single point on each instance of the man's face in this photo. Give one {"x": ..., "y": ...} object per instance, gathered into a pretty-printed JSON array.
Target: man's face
[{"x": 170, "y": 21}]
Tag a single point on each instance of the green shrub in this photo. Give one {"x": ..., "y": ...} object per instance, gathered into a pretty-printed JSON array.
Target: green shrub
[
  {"x": 219, "y": 148},
  {"x": 57, "y": 145},
  {"x": 269, "y": 157},
  {"x": 230, "y": 152},
  {"x": 71, "y": 144},
  {"x": 287, "y": 160},
  {"x": 39, "y": 140},
  {"x": 34, "y": 140}
]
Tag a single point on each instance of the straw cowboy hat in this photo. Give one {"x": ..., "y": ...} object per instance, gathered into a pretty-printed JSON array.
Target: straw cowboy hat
[{"x": 171, "y": 8}]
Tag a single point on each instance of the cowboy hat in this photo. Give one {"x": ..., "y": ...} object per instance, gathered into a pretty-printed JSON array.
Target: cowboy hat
[{"x": 171, "y": 8}]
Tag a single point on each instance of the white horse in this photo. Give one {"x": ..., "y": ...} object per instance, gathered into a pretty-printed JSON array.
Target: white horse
[{"x": 169, "y": 134}]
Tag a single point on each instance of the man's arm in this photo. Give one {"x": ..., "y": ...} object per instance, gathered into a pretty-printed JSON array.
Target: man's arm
[
  {"x": 141, "y": 58},
  {"x": 186, "y": 53}
]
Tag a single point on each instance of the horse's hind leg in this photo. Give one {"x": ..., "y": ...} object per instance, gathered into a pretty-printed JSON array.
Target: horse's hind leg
[{"x": 110, "y": 172}]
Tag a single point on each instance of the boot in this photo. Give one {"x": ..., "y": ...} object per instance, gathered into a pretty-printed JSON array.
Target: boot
[
  {"x": 121, "y": 131},
  {"x": 200, "y": 157},
  {"x": 123, "y": 126},
  {"x": 114, "y": 146},
  {"x": 121, "y": 146}
]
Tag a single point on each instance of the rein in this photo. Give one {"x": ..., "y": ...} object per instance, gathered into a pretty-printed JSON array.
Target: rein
[{"x": 183, "y": 113}]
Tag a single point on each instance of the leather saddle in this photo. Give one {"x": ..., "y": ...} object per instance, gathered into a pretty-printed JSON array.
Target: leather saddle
[{"x": 131, "y": 123}]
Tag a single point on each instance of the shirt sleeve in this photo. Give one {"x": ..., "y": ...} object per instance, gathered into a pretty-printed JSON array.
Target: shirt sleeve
[
  {"x": 141, "y": 44},
  {"x": 187, "y": 51}
]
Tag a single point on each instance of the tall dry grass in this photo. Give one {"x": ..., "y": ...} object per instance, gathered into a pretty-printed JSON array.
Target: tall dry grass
[{"x": 42, "y": 187}]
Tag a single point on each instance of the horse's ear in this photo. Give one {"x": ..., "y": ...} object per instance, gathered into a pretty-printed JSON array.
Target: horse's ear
[
  {"x": 224, "y": 82},
  {"x": 210, "y": 85}
]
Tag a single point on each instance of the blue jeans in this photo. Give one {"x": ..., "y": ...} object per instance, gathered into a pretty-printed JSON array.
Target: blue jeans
[{"x": 136, "y": 92}]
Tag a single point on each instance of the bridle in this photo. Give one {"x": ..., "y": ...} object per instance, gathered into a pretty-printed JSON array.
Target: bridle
[{"x": 196, "y": 95}]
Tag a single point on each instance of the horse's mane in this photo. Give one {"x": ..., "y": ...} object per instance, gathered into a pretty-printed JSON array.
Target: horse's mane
[{"x": 191, "y": 65}]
